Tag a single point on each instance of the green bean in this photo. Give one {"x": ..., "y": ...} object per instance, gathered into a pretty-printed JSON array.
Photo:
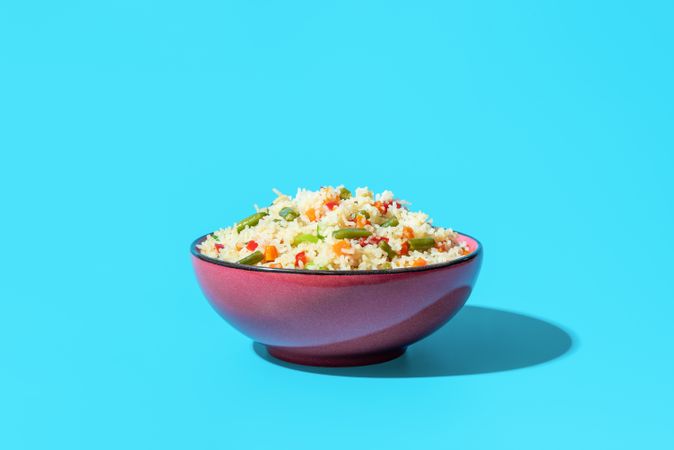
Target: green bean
[
  {"x": 392, "y": 222},
  {"x": 387, "y": 249},
  {"x": 250, "y": 221},
  {"x": 289, "y": 214},
  {"x": 350, "y": 233},
  {"x": 215, "y": 237},
  {"x": 421, "y": 244},
  {"x": 252, "y": 259},
  {"x": 304, "y": 238},
  {"x": 344, "y": 193}
]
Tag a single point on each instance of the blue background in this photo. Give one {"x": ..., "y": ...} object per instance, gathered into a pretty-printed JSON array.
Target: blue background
[{"x": 128, "y": 128}]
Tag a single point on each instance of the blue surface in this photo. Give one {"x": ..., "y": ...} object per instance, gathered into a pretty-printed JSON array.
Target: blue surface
[{"x": 129, "y": 128}]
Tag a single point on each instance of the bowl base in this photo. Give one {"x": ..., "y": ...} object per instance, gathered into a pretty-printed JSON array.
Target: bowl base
[{"x": 299, "y": 357}]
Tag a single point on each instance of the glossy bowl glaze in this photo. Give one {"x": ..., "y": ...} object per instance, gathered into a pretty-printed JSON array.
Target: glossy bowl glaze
[{"x": 337, "y": 318}]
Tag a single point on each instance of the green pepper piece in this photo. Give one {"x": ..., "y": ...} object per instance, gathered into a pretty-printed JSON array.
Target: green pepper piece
[
  {"x": 250, "y": 221},
  {"x": 252, "y": 259},
  {"x": 387, "y": 249},
  {"x": 351, "y": 233},
  {"x": 392, "y": 222},
  {"x": 344, "y": 193},
  {"x": 421, "y": 244},
  {"x": 289, "y": 214},
  {"x": 304, "y": 238}
]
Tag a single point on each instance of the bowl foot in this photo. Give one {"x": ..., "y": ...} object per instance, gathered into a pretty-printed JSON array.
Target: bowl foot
[{"x": 297, "y": 356}]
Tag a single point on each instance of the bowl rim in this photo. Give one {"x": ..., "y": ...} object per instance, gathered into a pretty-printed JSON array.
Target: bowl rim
[{"x": 232, "y": 265}]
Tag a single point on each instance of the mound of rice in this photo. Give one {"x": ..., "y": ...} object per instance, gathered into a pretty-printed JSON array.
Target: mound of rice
[{"x": 331, "y": 229}]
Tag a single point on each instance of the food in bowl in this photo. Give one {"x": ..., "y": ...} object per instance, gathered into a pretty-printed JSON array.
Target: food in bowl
[
  {"x": 335, "y": 229},
  {"x": 309, "y": 277}
]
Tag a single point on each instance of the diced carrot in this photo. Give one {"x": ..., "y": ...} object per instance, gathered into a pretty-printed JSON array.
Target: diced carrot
[
  {"x": 340, "y": 246},
  {"x": 311, "y": 214},
  {"x": 251, "y": 245},
  {"x": 270, "y": 253},
  {"x": 383, "y": 206},
  {"x": 441, "y": 246},
  {"x": 275, "y": 266},
  {"x": 378, "y": 205},
  {"x": 239, "y": 245},
  {"x": 419, "y": 262},
  {"x": 361, "y": 221},
  {"x": 464, "y": 251},
  {"x": 404, "y": 249},
  {"x": 219, "y": 246},
  {"x": 408, "y": 232}
]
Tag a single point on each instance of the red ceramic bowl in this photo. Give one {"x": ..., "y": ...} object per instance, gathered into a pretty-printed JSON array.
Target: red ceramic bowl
[{"x": 337, "y": 318}]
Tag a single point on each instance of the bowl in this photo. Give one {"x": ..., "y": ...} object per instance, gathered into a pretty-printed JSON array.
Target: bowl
[{"x": 337, "y": 318}]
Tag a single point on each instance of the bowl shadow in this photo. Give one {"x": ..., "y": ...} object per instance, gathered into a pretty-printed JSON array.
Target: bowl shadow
[{"x": 478, "y": 340}]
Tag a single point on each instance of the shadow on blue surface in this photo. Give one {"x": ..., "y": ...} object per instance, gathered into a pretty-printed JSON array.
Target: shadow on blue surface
[{"x": 478, "y": 340}]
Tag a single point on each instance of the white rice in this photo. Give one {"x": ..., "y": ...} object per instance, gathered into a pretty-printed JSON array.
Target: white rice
[{"x": 349, "y": 254}]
